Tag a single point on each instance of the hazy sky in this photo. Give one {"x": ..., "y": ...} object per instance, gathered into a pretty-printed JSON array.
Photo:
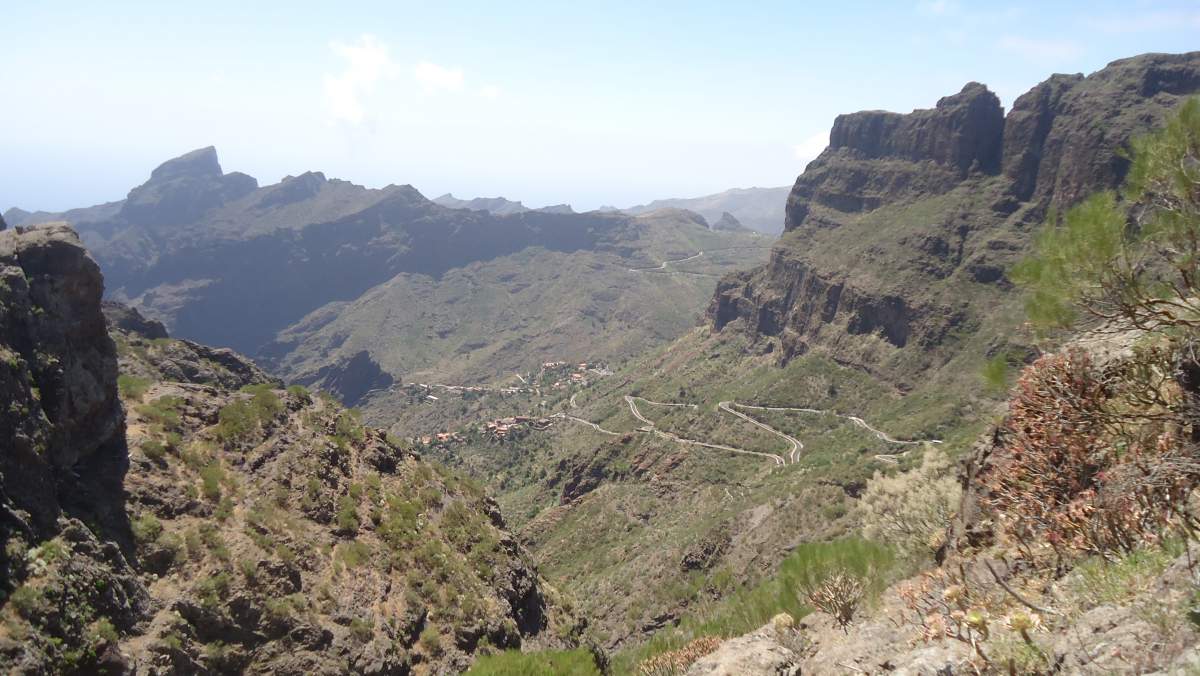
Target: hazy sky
[{"x": 586, "y": 103}]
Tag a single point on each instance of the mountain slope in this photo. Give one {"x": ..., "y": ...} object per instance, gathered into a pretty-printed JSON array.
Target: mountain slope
[
  {"x": 187, "y": 516},
  {"x": 760, "y": 209},
  {"x": 879, "y": 307},
  {"x": 320, "y": 277},
  {"x": 641, "y": 286}
]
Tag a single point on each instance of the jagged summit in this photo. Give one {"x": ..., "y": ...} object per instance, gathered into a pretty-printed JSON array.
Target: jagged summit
[
  {"x": 183, "y": 189},
  {"x": 199, "y": 162}
]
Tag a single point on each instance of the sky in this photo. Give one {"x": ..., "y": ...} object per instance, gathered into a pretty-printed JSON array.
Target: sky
[{"x": 558, "y": 102}]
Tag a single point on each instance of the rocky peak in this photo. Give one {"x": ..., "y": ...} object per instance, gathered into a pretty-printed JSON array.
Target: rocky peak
[
  {"x": 1063, "y": 139},
  {"x": 962, "y": 131},
  {"x": 728, "y": 221},
  {"x": 197, "y": 163},
  {"x": 183, "y": 189},
  {"x": 291, "y": 189}
]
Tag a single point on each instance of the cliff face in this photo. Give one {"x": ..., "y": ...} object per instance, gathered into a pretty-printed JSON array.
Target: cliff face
[
  {"x": 899, "y": 232},
  {"x": 59, "y": 372}
]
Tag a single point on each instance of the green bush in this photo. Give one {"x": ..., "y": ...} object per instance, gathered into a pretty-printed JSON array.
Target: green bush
[
  {"x": 349, "y": 425},
  {"x": 27, "y": 600},
  {"x": 354, "y": 553},
  {"x": 211, "y": 536},
  {"x": 431, "y": 640},
  {"x": 361, "y": 629},
  {"x": 213, "y": 589},
  {"x": 103, "y": 632},
  {"x": 146, "y": 528},
  {"x": 236, "y": 421},
  {"x": 347, "y": 515},
  {"x": 163, "y": 412},
  {"x": 211, "y": 476},
  {"x": 132, "y": 387},
  {"x": 154, "y": 449}
]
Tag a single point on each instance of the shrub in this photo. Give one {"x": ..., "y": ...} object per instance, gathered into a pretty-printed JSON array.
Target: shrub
[
  {"x": 146, "y": 528},
  {"x": 747, "y": 609},
  {"x": 27, "y": 600},
  {"x": 677, "y": 661},
  {"x": 224, "y": 509},
  {"x": 154, "y": 449},
  {"x": 349, "y": 425},
  {"x": 300, "y": 392},
  {"x": 210, "y": 535},
  {"x": 213, "y": 589},
  {"x": 1078, "y": 470},
  {"x": 163, "y": 412},
  {"x": 911, "y": 511},
  {"x": 266, "y": 404},
  {"x": 1146, "y": 275},
  {"x": 354, "y": 553},
  {"x": 838, "y": 595},
  {"x": 211, "y": 476},
  {"x": 347, "y": 515},
  {"x": 236, "y": 422},
  {"x": 132, "y": 387},
  {"x": 362, "y": 630},
  {"x": 431, "y": 640},
  {"x": 249, "y": 568},
  {"x": 103, "y": 632}
]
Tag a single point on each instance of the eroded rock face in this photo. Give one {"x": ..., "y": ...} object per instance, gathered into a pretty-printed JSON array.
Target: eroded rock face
[
  {"x": 940, "y": 202},
  {"x": 58, "y": 375},
  {"x": 183, "y": 189},
  {"x": 961, "y": 131}
]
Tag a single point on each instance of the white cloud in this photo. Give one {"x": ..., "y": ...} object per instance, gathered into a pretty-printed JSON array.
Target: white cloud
[
  {"x": 1040, "y": 49},
  {"x": 489, "y": 92},
  {"x": 366, "y": 63},
  {"x": 433, "y": 77},
  {"x": 810, "y": 147}
]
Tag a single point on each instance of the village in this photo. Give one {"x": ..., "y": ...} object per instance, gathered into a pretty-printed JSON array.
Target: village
[{"x": 552, "y": 375}]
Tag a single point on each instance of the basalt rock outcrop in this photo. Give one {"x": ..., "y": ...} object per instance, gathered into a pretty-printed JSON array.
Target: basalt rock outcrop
[
  {"x": 899, "y": 233},
  {"x": 58, "y": 375}
]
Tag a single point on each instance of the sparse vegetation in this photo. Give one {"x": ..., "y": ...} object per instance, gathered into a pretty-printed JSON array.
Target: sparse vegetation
[
  {"x": 545, "y": 663},
  {"x": 911, "y": 510},
  {"x": 838, "y": 594},
  {"x": 132, "y": 387}
]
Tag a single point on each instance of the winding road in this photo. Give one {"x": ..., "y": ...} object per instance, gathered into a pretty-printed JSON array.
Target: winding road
[
  {"x": 652, "y": 428},
  {"x": 797, "y": 445},
  {"x": 793, "y": 454}
]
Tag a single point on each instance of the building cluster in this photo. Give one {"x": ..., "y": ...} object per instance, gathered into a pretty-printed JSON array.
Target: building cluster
[
  {"x": 502, "y": 427},
  {"x": 441, "y": 439}
]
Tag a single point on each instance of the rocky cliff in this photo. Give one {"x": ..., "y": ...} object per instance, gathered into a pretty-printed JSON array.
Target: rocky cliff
[
  {"x": 900, "y": 231},
  {"x": 62, "y": 419},
  {"x": 166, "y": 508}
]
